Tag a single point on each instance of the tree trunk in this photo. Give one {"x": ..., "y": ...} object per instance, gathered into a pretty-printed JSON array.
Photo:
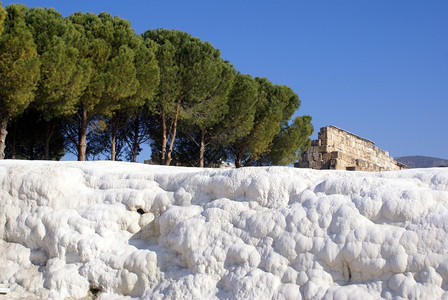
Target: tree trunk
[
  {"x": 239, "y": 155},
  {"x": 164, "y": 140},
  {"x": 3, "y": 133},
  {"x": 113, "y": 153},
  {"x": 135, "y": 143},
  {"x": 82, "y": 142},
  {"x": 48, "y": 134},
  {"x": 134, "y": 155},
  {"x": 238, "y": 162},
  {"x": 202, "y": 149},
  {"x": 173, "y": 137},
  {"x": 13, "y": 142}
]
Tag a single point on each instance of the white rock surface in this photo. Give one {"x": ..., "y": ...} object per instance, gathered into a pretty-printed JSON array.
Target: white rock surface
[{"x": 138, "y": 231}]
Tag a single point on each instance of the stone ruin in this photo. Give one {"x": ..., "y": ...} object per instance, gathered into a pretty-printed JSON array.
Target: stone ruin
[{"x": 337, "y": 149}]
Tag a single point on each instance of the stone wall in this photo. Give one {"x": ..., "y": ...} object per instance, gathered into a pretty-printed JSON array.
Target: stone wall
[{"x": 337, "y": 149}]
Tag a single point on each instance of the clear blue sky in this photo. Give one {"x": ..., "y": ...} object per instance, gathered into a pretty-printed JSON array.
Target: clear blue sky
[{"x": 377, "y": 68}]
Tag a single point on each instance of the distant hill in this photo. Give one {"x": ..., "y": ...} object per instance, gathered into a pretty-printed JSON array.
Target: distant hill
[{"x": 422, "y": 161}]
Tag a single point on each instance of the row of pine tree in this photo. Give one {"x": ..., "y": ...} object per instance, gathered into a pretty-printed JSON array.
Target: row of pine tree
[{"x": 90, "y": 85}]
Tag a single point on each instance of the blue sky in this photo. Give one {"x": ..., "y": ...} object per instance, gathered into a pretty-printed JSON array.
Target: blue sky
[{"x": 377, "y": 68}]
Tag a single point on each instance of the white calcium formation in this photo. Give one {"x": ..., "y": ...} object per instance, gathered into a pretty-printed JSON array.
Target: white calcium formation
[{"x": 122, "y": 230}]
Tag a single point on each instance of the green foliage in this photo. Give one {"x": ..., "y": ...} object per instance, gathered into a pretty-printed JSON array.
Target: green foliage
[
  {"x": 106, "y": 43},
  {"x": 209, "y": 110},
  {"x": 118, "y": 70},
  {"x": 276, "y": 106},
  {"x": 242, "y": 102},
  {"x": 147, "y": 74},
  {"x": 273, "y": 108},
  {"x": 94, "y": 77},
  {"x": 169, "y": 71},
  {"x": 63, "y": 75},
  {"x": 19, "y": 63},
  {"x": 292, "y": 140},
  {"x": 19, "y": 68},
  {"x": 2, "y": 17}
]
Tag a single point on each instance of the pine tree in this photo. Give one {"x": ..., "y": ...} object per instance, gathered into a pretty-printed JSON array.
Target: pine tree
[
  {"x": 203, "y": 115},
  {"x": 106, "y": 43},
  {"x": 170, "y": 91},
  {"x": 188, "y": 72},
  {"x": 275, "y": 106},
  {"x": 19, "y": 68},
  {"x": 147, "y": 77},
  {"x": 122, "y": 70},
  {"x": 63, "y": 75},
  {"x": 239, "y": 120}
]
